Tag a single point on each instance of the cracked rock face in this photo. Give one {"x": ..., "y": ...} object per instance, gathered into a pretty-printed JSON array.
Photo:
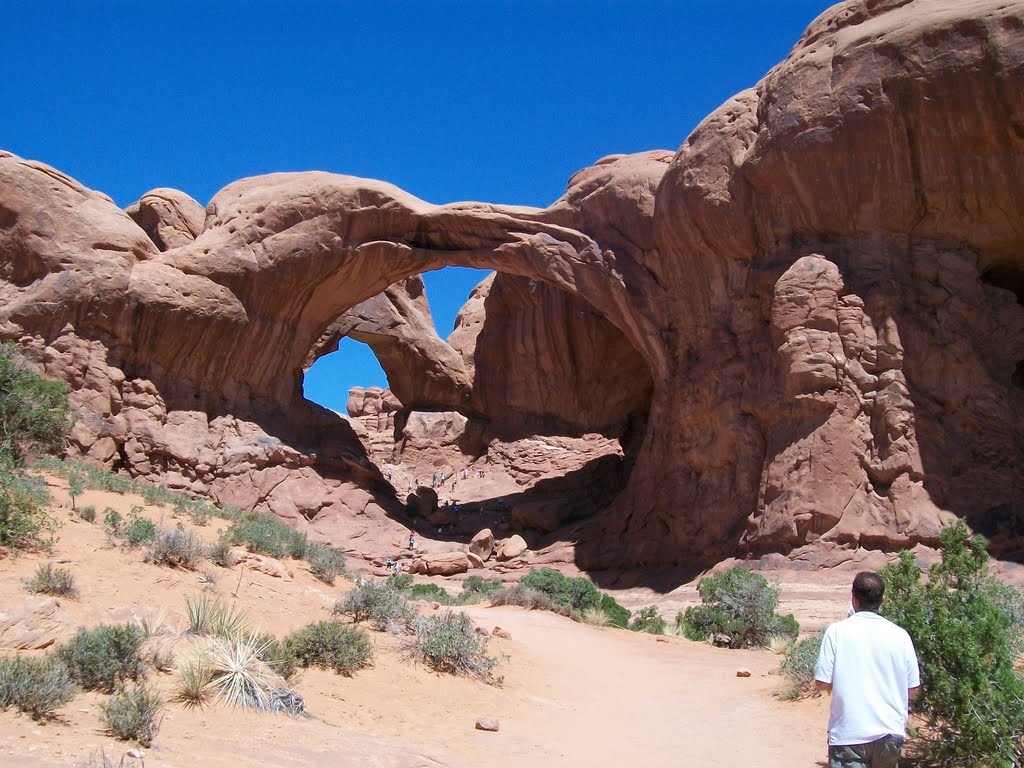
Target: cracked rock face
[{"x": 805, "y": 325}]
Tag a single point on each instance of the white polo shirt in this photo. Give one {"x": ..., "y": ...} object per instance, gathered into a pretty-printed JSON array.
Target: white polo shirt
[{"x": 871, "y": 665}]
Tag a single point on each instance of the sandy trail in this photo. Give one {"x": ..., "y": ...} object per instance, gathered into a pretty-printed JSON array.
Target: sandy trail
[{"x": 573, "y": 695}]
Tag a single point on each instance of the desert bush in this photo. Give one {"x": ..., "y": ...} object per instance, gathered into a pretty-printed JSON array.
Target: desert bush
[
  {"x": 211, "y": 617},
  {"x": 400, "y": 582},
  {"x": 578, "y": 593},
  {"x": 798, "y": 667},
  {"x": 25, "y": 522},
  {"x": 195, "y": 684},
  {"x": 480, "y": 585},
  {"x": 450, "y": 643},
  {"x": 525, "y": 597},
  {"x": 48, "y": 580},
  {"x": 265, "y": 534},
  {"x": 34, "y": 412},
  {"x": 176, "y": 548},
  {"x": 617, "y": 615},
  {"x": 326, "y": 563},
  {"x": 112, "y": 521},
  {"x": 376, "y": 602},
  {"x": 36, "y": 687},
  {"x": 596, "y": 617},
  {"x": 132, "y": 715},
  {"x": 968, "y": 632},
  {"x": 740, "y": 605},
  {"x": 240, "y": 677},
  {"x": 136, "y": 529},
  {"x": 430, "y": 593},
  {"x": 155, "y": 495},
  {"x": 88, "y": 513},
  {"x": 104, "y": 657},
  {"x": 276, "y": 655},
  {"x": 648, "y": 620},
  {"x": 221, "y": 554},
  {"x": 328, "y": 644}
]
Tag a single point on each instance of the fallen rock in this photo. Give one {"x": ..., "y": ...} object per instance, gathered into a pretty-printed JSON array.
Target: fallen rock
[
  {"x": 511, "y": 547},
  {"x": 482, "y": 545},
  {"x": 444, "y": 564},
  {"x": 475, "y": 561},
  {"x": 264, "y": 564},
  {"x": 742, "y": 672},
  {"x": 502, "y": 633},
  {"x": 487, "y": 724}
]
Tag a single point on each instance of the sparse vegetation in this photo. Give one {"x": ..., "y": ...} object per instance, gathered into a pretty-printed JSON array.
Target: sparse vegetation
[
  {"x": 137, "y": 529},
  {"x": 215, "y": 619},
  {"x": 968, "y": 629},
  {"x": 266, "y": 534},
  {"x": 798, "y": 667},
  {"x": 328, "y": 644},
  {"x": 525, "y": 597},
  {"x": 738, "y": 606},
  {"x": 132, "y": 715},
  {"x": 377, "y": 602},
  {"x": 221, "y": 554},
  {"x": 34, "y": 411},
  {"x": 47, "y": 580},
  {"x": 648, "y": 620},
  {"x": 24, "y": 520},
  {"x": 35, "y": 686},
  {"x": 326, "y": 563},
  {"x": 578, "y": 593},
  {"x": 88, "y": 513},
  {"x": 449, "y": 643},
  {"x": 177, "y": 548},
  {"x": 104, "y": 657}
]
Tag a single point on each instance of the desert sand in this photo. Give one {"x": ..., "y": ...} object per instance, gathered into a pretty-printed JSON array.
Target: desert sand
[{"x": 572, "y": 694}]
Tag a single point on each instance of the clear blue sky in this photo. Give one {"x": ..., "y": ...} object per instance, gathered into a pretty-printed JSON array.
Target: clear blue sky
[{"x": 486, "y": 100}]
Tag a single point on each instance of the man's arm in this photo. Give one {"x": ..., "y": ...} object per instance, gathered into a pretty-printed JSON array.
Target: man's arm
[
  {"x": 912, "y": 693},
  {"x": 822, "y": 686}
]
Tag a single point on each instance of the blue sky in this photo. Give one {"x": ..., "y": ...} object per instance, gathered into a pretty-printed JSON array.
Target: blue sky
[{"x": 495, "y": 101}]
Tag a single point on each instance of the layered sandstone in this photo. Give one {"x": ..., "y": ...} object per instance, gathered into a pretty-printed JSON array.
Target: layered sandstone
[{"x": 805, "y": 326}]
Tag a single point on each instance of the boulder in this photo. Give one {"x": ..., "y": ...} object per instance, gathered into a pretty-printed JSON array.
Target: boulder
[
  {"x": 511, "y": 547},
  {"x": 474, "y": 560},
  {"x": 263, "y": 564},
  {"x": 444, "y": 564},
  {"x": 482, "y": 544}
]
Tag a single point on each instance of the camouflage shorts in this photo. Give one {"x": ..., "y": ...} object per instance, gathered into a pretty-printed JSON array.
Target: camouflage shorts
[{"x": 883, "y": 753}]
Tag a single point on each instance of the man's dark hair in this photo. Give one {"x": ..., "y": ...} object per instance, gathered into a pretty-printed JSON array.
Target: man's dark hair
[{"x": 868, "y": 588}]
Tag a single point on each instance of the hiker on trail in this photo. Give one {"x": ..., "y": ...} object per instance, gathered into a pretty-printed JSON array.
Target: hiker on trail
[
  {"x": 870, "y": 667},
  {"x": 442, "y": 478},
  {"x": 433, "y": 482},
  {"x": 412, "y": 539}
]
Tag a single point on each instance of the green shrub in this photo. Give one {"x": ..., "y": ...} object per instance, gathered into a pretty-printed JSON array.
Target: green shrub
[
  {"x": 376, "y": 602},
  {"x": 112, "y": 521},
  {"x": 104, "y": 657},
  {"x": 137, "y": 529},
  {"x": 132, "y": 715},
  {"x": 34, "y": 412},
  {"x": 430, "y": 593},
  {"x": 967, "y": 630},
  {"x": 578, "y": 593},
  {"x": 798, "y": 666},
  {"x": 48, "y": 580},
  {"x": 176, "y": 548},
  {"x": 648, "y": 620},
  {"x": 213, "y": 618},
  {"x": 739, "y": 605},
  {"x": 480, "y": 585},
  {"x": 326, "y": 563},
  {"x": 88, "y": 513},
  {"x": 450, "y": 643},
  {"x": 526, "y": 597},
  {"x": 221, "y": 554},
  {"x": 76, "y": 487},
  {"x": 276, "y": 655},
  {"x": 24, "y": 520},
  {"x": 617, "y": 615},
  {"x": 400, "y": 582},
  {"x": 266, "y": 534},
  {"x": 36, "y": 687},
  {"x": 155, "y": 495},
  {"x": 330, "y": 645}
]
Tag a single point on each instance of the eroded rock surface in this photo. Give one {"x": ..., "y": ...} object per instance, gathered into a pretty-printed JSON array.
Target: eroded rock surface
[{"x": 804, "y": 327}]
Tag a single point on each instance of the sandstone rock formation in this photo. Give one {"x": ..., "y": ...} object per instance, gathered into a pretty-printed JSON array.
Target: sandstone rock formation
[{"x": 804, "y": 327}]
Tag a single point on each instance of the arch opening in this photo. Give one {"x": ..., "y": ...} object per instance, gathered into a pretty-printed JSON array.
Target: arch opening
[{"x": 526, "y": 417}]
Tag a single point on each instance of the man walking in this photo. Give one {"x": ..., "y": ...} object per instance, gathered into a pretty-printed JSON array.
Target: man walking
[{"x": 869, "y": 665}]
